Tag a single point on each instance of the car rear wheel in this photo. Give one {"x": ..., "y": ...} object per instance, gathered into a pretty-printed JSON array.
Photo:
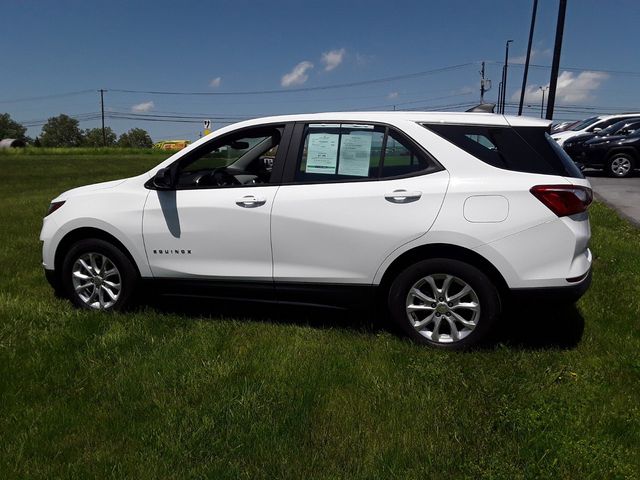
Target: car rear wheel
[
  {"x": 621, "y": 165},
  {"x": 96, "y": 275},
  {"x": 444, "y": 303}
]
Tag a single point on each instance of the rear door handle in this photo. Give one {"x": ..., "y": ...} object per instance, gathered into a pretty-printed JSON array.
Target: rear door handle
[
  {"x": 251, "y": 201},
  {"x": 402, "y": 196}
]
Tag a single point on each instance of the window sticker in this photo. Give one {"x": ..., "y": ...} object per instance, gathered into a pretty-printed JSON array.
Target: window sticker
[
  {"x": 355, "y": 154},
  {"x": 322, "y": 153}
]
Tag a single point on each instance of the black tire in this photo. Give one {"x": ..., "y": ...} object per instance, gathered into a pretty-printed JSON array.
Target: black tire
[
  {"x": 482, "y": 287},
  {"x": 616, "y": 162},
  {"x": 126, "y": 270}
]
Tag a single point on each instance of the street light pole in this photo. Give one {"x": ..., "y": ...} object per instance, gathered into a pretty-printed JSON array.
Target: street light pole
[
  {"x": 504, "y": 75},
  {"x": 542, "y": 104}
]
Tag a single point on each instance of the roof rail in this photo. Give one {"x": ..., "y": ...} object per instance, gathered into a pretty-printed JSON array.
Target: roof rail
[{"x": 483, "y": 107}]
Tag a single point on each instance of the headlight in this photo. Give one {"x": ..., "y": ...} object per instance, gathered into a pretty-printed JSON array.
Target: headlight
[{"x": 53, "y": 207}]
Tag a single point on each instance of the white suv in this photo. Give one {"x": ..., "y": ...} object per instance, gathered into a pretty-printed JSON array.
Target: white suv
[{"x": 443, "y": 216}]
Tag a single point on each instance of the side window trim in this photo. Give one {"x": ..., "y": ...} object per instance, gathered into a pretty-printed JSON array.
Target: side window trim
[
  {"x": 278, "y": 164},
  {"x": 297, "y": 140}
]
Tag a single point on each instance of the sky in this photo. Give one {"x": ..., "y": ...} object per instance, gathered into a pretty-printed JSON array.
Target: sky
[{"x": 305, "y": 55}]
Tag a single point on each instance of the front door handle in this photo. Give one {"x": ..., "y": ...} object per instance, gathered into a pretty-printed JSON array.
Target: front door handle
[
  {"x": 402, "y": 196},
  {"x": 251, "y": 201}
]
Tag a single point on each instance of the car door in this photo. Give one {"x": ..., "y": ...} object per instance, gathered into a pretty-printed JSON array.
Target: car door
[
  {"x": 215, "y": 223},
  {"x": 352, "y": 194}
]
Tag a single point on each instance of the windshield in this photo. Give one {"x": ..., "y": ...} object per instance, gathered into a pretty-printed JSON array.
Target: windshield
[
  {"x": 611, "y": 129},
  {"x": 630, "y": 124},
  {"x": 585, "y": 123}
]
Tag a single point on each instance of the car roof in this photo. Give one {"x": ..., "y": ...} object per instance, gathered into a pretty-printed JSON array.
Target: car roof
[
  {"x": 474, "y": 118},
  {"x": 621, "y": 115},
  {"x": 469, "y": 118}
]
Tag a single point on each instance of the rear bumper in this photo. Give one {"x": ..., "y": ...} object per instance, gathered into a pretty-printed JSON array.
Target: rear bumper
[{"x": 564, "y": 294}]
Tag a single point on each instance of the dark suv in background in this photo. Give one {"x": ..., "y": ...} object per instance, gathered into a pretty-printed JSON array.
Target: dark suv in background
[{"x": 614, "y": 149}]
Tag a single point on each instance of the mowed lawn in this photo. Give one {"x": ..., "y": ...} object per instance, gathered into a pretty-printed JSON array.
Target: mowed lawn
[{"x": 213, "y": 391}]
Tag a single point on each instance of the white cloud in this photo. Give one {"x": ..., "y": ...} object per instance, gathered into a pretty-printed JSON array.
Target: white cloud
[
  {"x": 142, "y": 107},
  {"x": 332, "y": 59},
  {"x": 393, "y": 95},
  {"x": 215, "y": 82},
  {"x": 571, "y": 88},
  {"x": 298, "y": 75}
]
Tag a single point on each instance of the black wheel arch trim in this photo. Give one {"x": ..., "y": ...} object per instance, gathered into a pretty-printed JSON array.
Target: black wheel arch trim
[
  {"x": 84, "y": 233},
  {"x": 628, "y": 150},
  {"x": 447, "y": 251}
]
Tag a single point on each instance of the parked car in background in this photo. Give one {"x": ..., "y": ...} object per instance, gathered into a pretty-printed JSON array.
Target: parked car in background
[
  {"x": 442, "y": 218},
  {"x": 591, "y": 125},
  {"x": 617, "y": 155},
  {"x": 573, "y": 146},
  {"x": 562, "y": 126}
]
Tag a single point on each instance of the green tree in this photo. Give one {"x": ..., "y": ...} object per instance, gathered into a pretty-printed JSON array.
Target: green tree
[
  {"x": 93, "y": 137},
  {"x": 136, "y": 138},
  {"x": 9, "y": 128},
  {"x": 61, "y": 131}
]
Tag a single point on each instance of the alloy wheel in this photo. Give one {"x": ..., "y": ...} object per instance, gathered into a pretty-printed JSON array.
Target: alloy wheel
[
  {"x": 96, "y": 281},
  {"x": 620, "y": 166},
  {"x": 443, "y": 308}
]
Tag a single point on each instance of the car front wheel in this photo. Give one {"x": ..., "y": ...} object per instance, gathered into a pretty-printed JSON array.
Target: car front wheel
[
  {"x": 444, "y": 303},
  {"x": 96, "y": 275},
  {"x": 621, "y": 165}
]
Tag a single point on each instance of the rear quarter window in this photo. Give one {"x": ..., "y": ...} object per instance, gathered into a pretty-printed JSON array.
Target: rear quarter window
[{"x": 519, "y": 149}]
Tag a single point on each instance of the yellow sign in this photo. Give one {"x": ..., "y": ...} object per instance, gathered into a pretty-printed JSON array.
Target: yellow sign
[{"x": 171, "y": 144}]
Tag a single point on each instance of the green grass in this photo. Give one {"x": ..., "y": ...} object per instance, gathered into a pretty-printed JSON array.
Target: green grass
[
  {"x": 155, "y": 394},
  {"x": 74, "y": 151}
]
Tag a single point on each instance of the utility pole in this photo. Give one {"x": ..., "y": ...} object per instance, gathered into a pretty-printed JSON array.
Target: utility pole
[
  {"x": 104, "y": 133},
  {"x": 504, "y": 75},
  {"x": 482, "y": 84},
  {"x": 485, "y": 85},
  {"x": 526, "y": 62},
  {"x": 498, "y": 108},
  {"x": 543, "y": 89},
  {"x": 555, "y": 66}
]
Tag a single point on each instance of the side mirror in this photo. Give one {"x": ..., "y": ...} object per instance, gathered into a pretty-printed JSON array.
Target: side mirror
[
  {"x": 597, "y": 129},
  {"x": 161, "y": 180}
]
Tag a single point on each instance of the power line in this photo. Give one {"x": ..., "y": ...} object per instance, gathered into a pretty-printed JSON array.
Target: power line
[
  {"x": 302, "y": 89},
  {"x": 47, "y": 97},
  {"x": 573, "y": 69}
]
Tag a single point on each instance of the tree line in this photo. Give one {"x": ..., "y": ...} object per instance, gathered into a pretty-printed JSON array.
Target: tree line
[{"x": 64, "y": 131}]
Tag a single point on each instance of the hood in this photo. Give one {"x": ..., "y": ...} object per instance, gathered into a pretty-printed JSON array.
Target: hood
[
  {"x": 89, "y": 188},
  {"x": 609, "y": 139},
  {"x": 564, "y": 134},
  {"x": 583, "y": 137}
]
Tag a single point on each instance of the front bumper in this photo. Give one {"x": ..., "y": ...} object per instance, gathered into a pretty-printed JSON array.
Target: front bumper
[{"x": 53, "y": 279}]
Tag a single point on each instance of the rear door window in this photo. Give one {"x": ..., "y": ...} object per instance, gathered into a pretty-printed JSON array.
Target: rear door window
[
  {"x": 332, "y": 152},
  {"x": 401, "y": 158}
]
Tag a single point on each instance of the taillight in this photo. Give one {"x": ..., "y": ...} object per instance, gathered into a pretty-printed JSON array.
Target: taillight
[
  {"x": 564, "y": 200},
  {"x": 53, "y": 207}
]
